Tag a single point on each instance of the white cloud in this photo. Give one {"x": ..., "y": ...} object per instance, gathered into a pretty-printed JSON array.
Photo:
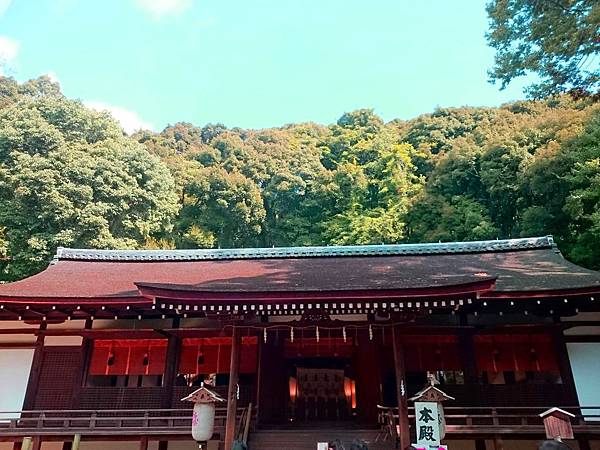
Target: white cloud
[
  {"x": 9, "y": 48},
  {"x": 4, "y": 4},
  {"x": 129, "y": 120},
  {"x": 161, "y": 8}
]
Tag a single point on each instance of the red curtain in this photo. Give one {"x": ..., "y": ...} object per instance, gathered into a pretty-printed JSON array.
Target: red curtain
[
  {"x": 515, "y": 353},
  {"x": 431, "y": 353},
  {"x": 213, "y": 355},
  {"x": 128, "y": 357}
]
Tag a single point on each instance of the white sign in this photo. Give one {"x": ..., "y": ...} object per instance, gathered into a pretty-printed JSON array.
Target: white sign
[
  {"x": 428, "y": 424},
  {"x": 322, "y": 446},
  {"x": 422, "y": 447}
]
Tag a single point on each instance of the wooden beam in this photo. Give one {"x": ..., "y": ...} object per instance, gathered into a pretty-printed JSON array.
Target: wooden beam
[
  {"x": 234, "y": 368},
  {"x": 144, "y": 443},
  {"x": 404, "y": 428}
]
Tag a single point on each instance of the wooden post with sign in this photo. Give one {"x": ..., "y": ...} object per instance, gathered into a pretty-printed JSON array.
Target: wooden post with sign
[
  {"x": 430, "y": 425},
  {"x": 557, "y": 423}
]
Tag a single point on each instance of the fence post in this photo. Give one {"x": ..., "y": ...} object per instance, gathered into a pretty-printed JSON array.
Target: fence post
[{"x": 76, "y": 441}]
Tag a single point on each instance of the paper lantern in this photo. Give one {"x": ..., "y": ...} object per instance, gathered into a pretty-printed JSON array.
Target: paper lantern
[{"x": 203, "y": 417}]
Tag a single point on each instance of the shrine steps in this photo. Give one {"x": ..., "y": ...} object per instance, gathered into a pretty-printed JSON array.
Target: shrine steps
[{"x": 308, "y": 439}]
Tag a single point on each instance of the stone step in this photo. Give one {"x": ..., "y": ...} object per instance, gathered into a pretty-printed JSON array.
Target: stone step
[{"x": 308, "y": 439}]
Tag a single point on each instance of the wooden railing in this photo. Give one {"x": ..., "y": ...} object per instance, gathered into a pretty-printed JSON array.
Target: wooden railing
[
  {"x": 520, "y": 420},
  {"x": 157, "y": 422},
  {"x": 104, "y": 422}
]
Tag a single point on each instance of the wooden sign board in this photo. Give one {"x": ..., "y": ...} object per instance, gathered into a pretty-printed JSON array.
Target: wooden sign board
[
  {"x": 428, "y": 425},
  {"x": 557, "y": 423}
]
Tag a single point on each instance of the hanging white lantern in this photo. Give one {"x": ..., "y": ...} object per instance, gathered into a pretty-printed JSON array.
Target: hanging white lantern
[{"x": 203, "y": 418}]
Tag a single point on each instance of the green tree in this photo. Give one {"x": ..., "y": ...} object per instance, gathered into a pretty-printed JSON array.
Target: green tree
[
  {"x": 221, "y": 208},
  {"x": 555, "y": 39},
  {"x": 69, "y": 177}
]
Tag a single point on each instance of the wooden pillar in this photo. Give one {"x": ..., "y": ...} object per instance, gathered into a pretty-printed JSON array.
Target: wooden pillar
[
  {"x": 87, "y": 347},
  {"x": 466, "y": 348},
  {"x": 480, "y": 444},
  {"x": 584, "y": 443},
  {"x": 36, "y": 443},
  {"x": 404, "y": 428},
  {"x": 36, "y": 368},
  {"x": 234, "y": 368},
  {"x": 171, "y": 369},
  {"x": 144, "y": 443},
  {"x": 170, "y": 375},
  {"x": 273, "y": 383},
  {"x": 259, "y": 369},
  {"x": 18, "y": 445},
  {"x": 76, "y": 442},
  {"x": 498, "y": 442},
  {"x": 67, "y": 445},
  {"x": 564, "y": 365}
]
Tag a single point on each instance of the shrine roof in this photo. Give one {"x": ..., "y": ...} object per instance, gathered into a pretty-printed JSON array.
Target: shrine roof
[{"x": 518, "y": 265}]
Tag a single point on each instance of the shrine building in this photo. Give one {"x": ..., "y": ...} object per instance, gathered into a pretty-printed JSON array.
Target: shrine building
[{"x": 305, "y": 344}]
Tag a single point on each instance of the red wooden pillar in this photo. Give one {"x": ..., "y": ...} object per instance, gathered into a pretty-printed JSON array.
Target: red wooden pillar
[
  {"x": 466, "y": 345},
  {"x": 36, "y": 443},
  {"x": 258, "y": 380},
  {"x": 170, "y": 375},
  {"x": 234, "y": 369},
  {"x": 86, "y": 355},
  {"x": 144, "y": 443},
  {"x": 368, "y": 377},
  {"x": 36, "y": 368},
  {"x": 404, "y": 429},
  {"x": 564, "y": 365}
]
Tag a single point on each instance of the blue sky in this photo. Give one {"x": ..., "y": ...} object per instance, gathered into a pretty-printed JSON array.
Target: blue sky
[{"x": 254, "y": 63}]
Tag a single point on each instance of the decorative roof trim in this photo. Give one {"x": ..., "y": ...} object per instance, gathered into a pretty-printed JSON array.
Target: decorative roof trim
[{"x": 305, "y": 252}]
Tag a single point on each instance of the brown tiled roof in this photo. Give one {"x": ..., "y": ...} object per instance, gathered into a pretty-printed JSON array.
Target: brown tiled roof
[{"x": 519, "y": 265}]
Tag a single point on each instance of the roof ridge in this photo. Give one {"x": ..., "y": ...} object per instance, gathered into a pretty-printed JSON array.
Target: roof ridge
[{"x": 304, "y": 252}]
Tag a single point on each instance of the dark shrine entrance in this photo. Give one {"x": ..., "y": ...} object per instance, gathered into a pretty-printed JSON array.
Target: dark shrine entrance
[
  {"x": 321, "y": 380},
  {"x": 320, "y": 389}
]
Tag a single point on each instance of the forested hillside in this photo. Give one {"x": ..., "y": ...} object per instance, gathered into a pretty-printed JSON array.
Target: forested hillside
[{"x": 69, "y": 176}]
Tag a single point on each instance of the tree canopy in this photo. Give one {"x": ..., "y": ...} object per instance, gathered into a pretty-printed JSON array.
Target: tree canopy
[
  {"x": 71, "y": 177},
  {"x": 557, "y": 40}
]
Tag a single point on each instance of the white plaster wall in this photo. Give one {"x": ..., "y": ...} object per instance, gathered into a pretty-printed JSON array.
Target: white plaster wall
[
  {"x": 585, "y": 362},
  {"x": 15, "y": 365}
]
